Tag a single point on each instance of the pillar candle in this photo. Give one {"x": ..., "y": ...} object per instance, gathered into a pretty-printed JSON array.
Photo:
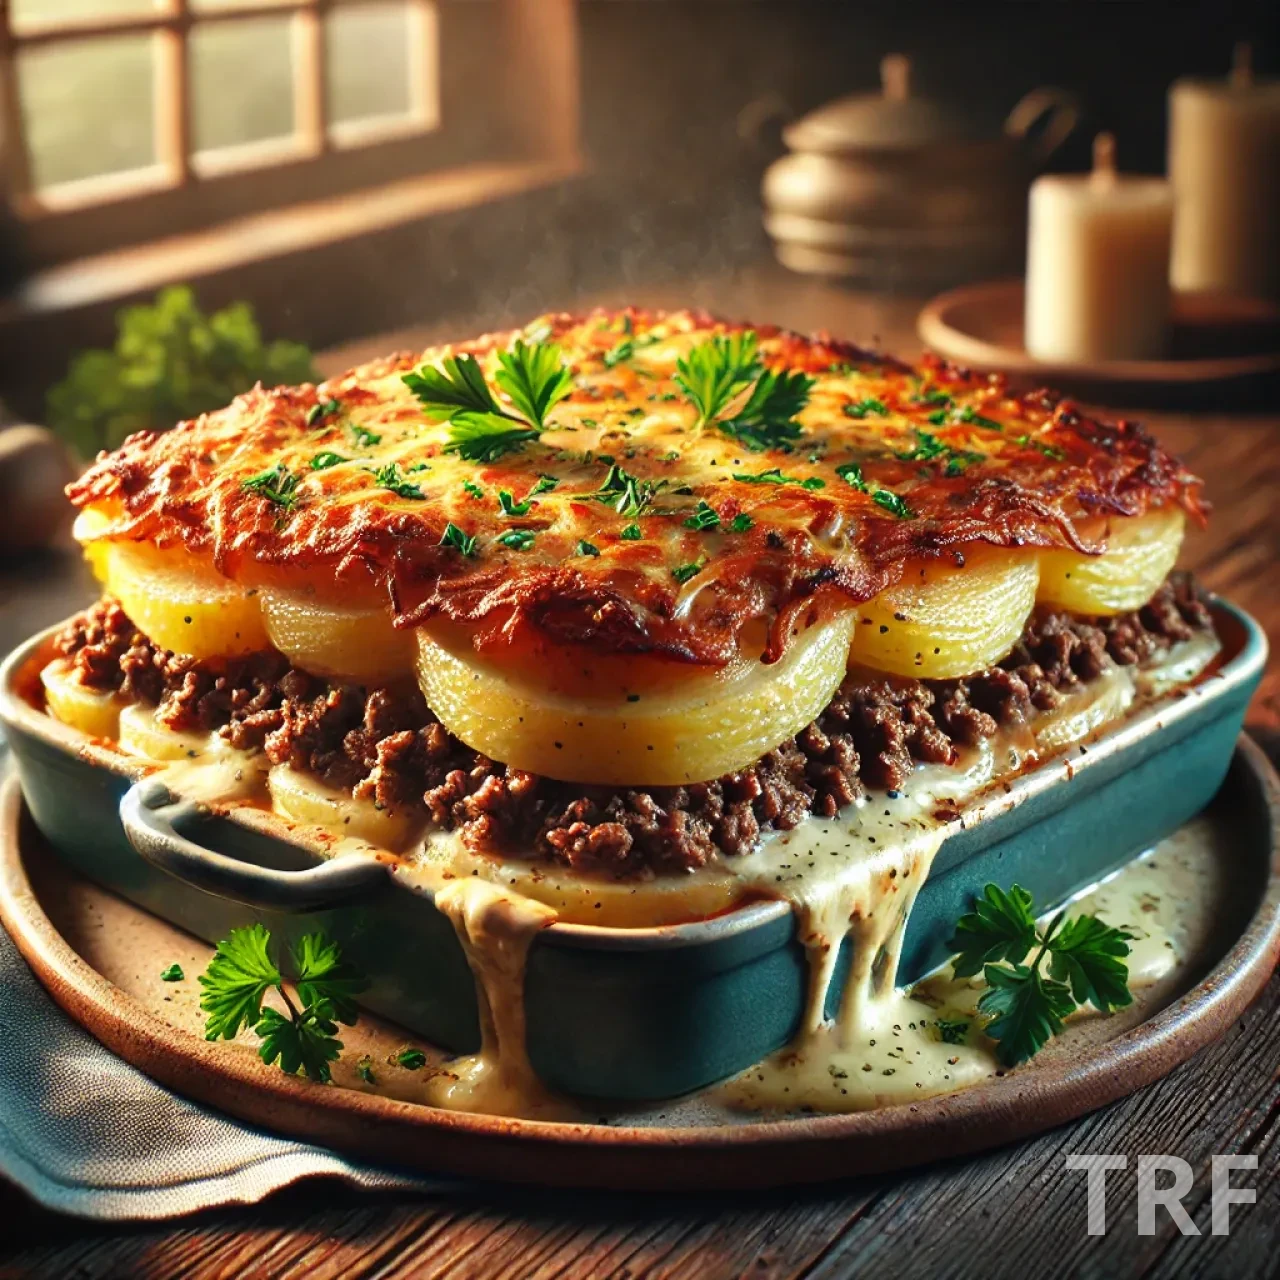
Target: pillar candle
[
  {"x": 1098, "y": 264},
  {"x": 1224, "y": 163}
]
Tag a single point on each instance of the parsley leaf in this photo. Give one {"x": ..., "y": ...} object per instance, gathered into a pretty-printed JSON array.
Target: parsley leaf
[
  {"x": 683, "y": 572},
  {"x": 1088, "y": 955},
  {"x": 318, "y": 412},
  {"x": 364, "y": 1069},
  {"x": 365, "y": 438},
  {"x": 851, "y": 473},
  {"x": 630, "y": 533},
  {"x": 860, "y": 408},
  {"x": 705, "y": 516},
  {"x": 1026, "y": 1010},
  {"x": 713, "y": 372},
  {"x": 535, "y": 377},
  {"x": 628, "y": 495},
  {"x": 470, "y": 486},
  {"x": 517, "y": 539},
  {"x": 454, "y": 537},
  {"x": 767, "y": 420},
  {"x": 1026, "y": 1005},
  {"x": 323, "y": 975},
  {"x": 624, "y": 350},
  {"x": 303, "y": 1039},
  {"x": 586, "y": 548},
  {"x": 893, "y": 503},
  {"x": 774, "y": 476},
  {"x": 239, "y": 975},
  {"x": 510, "y": 507},
  {"x": 953, "y": 1030},
  {"x": 740, "y": 523},
  {"x": 411, "y": 1059},
  {"x": 172, "y": 974},
  {"x": 486, "y": 437},
  {"x": 390, "y": 477},
  {"x": 1049, "y": 450},
  {"x": 277, "y": 484},
  {"x": 927, "y": 446},
  {"x": 457, "y": 385},
  {"x": 1000, "y": 927},
  {"x": 306, "y": 1041},
  {"x": 325, "y": 459},
  {"x": 970, "y": 415}
]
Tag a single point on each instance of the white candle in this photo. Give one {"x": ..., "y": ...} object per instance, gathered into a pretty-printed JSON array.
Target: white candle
[
  {"x": 1224, "y": 163},
  {"x": 1098, "y": 264}
]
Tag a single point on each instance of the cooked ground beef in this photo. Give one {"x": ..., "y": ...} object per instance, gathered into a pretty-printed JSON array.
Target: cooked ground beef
[{"x": 385, "y": 744}]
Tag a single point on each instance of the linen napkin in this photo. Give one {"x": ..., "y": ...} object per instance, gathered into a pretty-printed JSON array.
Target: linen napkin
[{"x": 85, "y": 1133}]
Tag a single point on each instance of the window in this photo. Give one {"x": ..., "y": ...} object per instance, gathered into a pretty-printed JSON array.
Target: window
[{"x": 128, "y": 121}]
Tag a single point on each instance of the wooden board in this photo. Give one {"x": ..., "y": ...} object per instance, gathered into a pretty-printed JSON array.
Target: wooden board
[{"x": 100, "y": 957}]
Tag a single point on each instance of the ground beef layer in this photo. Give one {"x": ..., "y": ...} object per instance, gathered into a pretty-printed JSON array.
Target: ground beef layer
[{"x": 385, "y": 745}]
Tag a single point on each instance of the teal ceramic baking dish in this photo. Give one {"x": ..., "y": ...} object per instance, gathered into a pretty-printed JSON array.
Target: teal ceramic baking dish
[{"x": 627, "y": 1014}]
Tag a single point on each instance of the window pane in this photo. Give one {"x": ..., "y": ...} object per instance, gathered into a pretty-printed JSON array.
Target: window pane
[
  {"x": 27, "y": 12},
  {"x": 367, "y": 52},
  {"x": 68, "y": 141},
  {"x": 241, "y": 82}
]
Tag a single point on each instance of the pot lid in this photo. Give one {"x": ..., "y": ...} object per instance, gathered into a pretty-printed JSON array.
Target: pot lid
[{"x": 889, "y": 120}]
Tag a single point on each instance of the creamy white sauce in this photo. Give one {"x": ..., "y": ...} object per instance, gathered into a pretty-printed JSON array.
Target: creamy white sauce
[{"x": 850, "y": 878}]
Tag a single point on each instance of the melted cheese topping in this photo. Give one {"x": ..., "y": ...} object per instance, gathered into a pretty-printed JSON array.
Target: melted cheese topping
[{"x": 890, "y": 464}]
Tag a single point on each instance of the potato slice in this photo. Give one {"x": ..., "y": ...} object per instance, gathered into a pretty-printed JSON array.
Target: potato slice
[
  {"x": 943, "y": 620},
  {"x": 1140, "y": 552},
  {"x": 183, "y": 605},
  {"x": 92, "y": 711},
  {"x": 691, "y": 727},
  {"x": 354, "y": 643},
  {"x": 307, "y": 800}
]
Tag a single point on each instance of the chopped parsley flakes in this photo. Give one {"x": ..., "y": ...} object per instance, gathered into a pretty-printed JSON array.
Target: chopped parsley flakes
[
  {"x": 325, "y": 459},
  {"x": 517, "y": 539},
  {"x": 465, "y": 543},
  {"x": 774, "y": 476},
  {"x": 278, "y": 485},
  {"x": 390, "y": 477}
]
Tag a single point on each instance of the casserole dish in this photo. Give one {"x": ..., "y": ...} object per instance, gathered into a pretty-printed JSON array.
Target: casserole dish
[
  {"x": 646, "y": 692},
  {"x": 631, "y": 1014}
]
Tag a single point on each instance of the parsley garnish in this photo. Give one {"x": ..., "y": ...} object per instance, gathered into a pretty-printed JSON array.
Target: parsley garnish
[
  {"x": 927, "y": 446},
  {"x": 860, "y": 408},
  {"x": 683, "y": 572},
  {"x": 517, "y": 539},
  {"x": 740, "y": 523},
  {"x": 390, "y": 477},
  {"x": 624, "y": 350},
  {"x": 172, "y": 974},
  {"x": 470, "y": 486},
  {"x": 774, "y": 476},
  {"x": 459, "y": 541},
  {"x": 891, "y": 502},
  {"x": 532, "y": 374},
  {"x": 486, "y": 437},
  {"x": 586, "y": 548},
  {"x": 325, "y": 459},
  {"x": 364, "y": 1069},
  {"x": 705, "y": 516},
  {"x": 326, "y": 409},
  {"x": 628, "y": 495},
  {"x": 365, "y": 438},
  {"x": 242, "y": 972},
  {"x": 511, "y": 507},
  {"x": 970, "y": 415},
  {"x": 1026, "y": 1006},
  {"x": 631, "y": 533},
  {"x": 715, "y": 371},
  {"x": 953, "y": 1030},
  {"x": 277, "y": 484},
  {"x": 933, "y": 396},
  {"x": 1049, "y": 450},
  {"x": 411, "y": 1059}
]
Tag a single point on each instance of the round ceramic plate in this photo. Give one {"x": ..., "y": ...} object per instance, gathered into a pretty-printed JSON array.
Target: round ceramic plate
[
  {"x": 101, "y": 958},
  {"x": 1220, "y": 348}
]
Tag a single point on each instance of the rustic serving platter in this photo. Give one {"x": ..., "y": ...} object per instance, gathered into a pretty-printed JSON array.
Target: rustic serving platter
[
  {"x": 101, "y": 957},
  {"x": 1221, "y": 348}
]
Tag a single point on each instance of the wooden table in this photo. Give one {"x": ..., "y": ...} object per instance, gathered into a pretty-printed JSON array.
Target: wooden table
[{"x": 1016, "y": 1212}]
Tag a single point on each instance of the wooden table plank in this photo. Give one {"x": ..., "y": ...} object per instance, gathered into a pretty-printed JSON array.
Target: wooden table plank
[{"x": 1014, "y": 1212}]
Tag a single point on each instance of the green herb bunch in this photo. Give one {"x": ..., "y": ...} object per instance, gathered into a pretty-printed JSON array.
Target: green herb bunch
[
  {"x": 305, "y": 1037},
  {"x": 1026, "y": 1005},
  {"x": 170, "y": 362}
]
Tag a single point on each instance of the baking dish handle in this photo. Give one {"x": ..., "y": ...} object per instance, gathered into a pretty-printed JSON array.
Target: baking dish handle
[{"x": 151, "y": 816}]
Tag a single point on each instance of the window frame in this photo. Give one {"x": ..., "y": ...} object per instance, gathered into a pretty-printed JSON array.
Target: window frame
[{"x": 448, "y": 125}]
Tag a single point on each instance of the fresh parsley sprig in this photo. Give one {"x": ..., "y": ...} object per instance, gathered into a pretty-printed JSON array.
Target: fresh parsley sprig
[
  {"x": 1026, "y": 1005},
  {"x": 278, "y": 485},
  {"x": 304, "y": 1038},
  {"x": 532, "y": 374},
  {"x": 716, "y": 371}
]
